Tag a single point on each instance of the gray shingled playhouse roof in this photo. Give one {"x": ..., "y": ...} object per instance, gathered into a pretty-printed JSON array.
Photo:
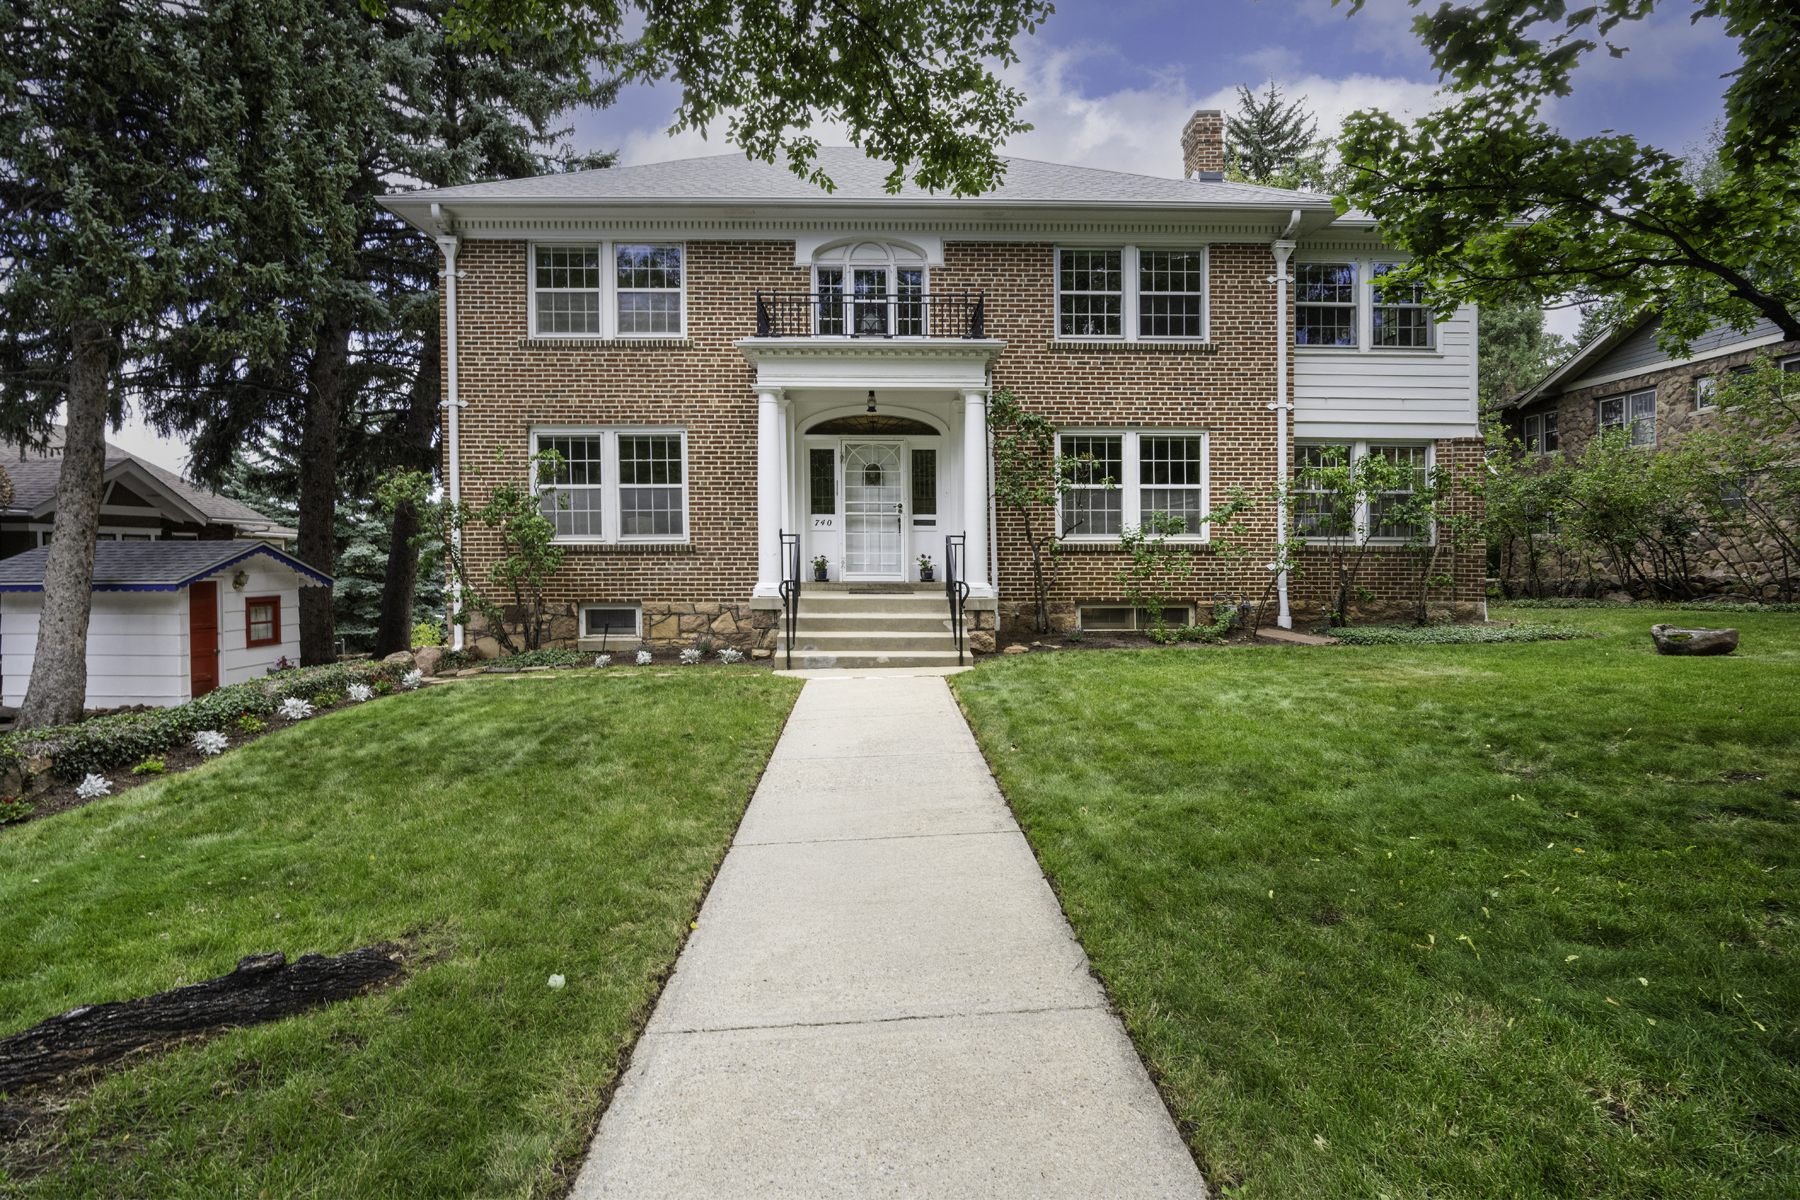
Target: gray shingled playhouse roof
[
  {"x": 34, "y": 483},
  {"x": 160, "y": 566}
]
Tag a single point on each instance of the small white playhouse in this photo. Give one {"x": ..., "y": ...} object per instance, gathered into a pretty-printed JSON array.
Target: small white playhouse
[{"x": 172, "y": 620}]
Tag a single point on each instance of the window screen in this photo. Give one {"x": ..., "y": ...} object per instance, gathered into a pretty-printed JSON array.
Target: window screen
[
  {"x": 1169, "y": 480},
  {"x": 650, "y": 493},
  {"x": 1090, "y": 293},
  {"x": 568, "y": 289},
  {"x": 572, "y": 497},
  {"x": 1325, "y": 304},
  {"x": 1171, "y": 293},
  {"x": 1096, "y": 467},
  {"x": 649, "y": 279}
]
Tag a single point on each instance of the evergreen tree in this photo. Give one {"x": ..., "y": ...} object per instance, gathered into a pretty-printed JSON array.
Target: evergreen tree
[
  {"x": 361, "y": 395},
  {"x": 139, "y": 139},
  {"x": 1270, "y": 142},
  {"x": 1515, "y": 351}
]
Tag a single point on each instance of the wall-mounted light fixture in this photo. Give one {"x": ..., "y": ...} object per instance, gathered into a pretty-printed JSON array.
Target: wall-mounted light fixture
[
  {"x": 871, "y": 399},
  {"x": 239, "y": 580}
]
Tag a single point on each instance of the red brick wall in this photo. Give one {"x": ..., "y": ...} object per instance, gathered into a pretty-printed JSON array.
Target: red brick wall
[{"x": 703, "y": 384}]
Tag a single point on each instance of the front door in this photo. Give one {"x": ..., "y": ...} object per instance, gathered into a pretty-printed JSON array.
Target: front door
[
  {"x": 874, "y": 511},
  {"x": 203, "y": 637}
]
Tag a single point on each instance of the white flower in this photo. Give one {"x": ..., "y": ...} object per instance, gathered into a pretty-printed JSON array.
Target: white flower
[
  {"x": 210, "y": 742},
  {"x": 94, "y": 785},
  {"x": 295, "y": 709},
  {"x": 690, "y": 657},
  {"x": 604, "y": 660},
  {"x": 728, "y": 655},
  {"x": 411, "y": 679},
  {"x": 557, "y": 981},
  {"x": 644, "y": 657},
  {"x": 361, "y": 691}
]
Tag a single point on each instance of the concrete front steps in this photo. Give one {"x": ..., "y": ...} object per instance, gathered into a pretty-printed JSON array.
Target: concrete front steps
[{"x": 852, "y": 625}]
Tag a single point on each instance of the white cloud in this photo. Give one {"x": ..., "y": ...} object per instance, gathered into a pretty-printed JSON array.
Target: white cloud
[{"x": 1134, "y": 129}]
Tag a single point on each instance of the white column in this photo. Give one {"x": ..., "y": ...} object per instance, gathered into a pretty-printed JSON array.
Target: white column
[
  {"x": 975, "y": 498},
  {"x": 768, "y": 492}
]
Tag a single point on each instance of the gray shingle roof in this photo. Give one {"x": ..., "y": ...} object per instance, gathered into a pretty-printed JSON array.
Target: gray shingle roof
[
  {"x": 858, "y": 177},
  {"x": 34, "y": 482},
  {"x": 162, "y": 566}
]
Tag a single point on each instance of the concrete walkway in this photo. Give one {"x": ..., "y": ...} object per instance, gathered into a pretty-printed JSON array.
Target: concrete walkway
[{"x": 882, "y": 997}]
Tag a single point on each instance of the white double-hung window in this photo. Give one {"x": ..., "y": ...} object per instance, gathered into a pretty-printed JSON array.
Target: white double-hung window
[
  {"x": 566, "y": 289},
  {"x": 1400, "y": 318},
  {"x": 608, "y": 290},
  {"x": 1321, "y": 512},
  {"x": 1350, "y": 305},
  {"x": 615, "y": 485},
  {"x": 1132, "y": 293},
  {"x": 1325, "y": 304},
  {"x": 1171, "y": 293},
  {"x": 1121, "y": 480},
  {"x": 1090, "y": 293}
]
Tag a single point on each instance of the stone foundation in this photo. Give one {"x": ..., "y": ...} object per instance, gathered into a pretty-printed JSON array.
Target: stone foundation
[{"x": 666, "y": 624}]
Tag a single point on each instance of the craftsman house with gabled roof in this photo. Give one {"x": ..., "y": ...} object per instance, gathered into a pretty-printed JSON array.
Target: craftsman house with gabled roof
[{"x": 745, "y": 376}]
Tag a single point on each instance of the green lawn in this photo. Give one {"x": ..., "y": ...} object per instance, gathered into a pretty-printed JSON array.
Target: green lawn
[
  {"x": 1452, "y": 921},
  {"x": 513, "y": 828}
]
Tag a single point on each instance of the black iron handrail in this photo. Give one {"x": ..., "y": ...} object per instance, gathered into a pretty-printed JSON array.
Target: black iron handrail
[
  {"x": 790, "y": 591},
  {"x": 839, "y": 314},
  {"x": 955, "y": 590}
]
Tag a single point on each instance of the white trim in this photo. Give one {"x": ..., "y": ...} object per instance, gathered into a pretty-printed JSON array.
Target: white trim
[
  {"x": 582, "y": 609},
  {"x": 531, "y": 290},
  {"x": 611, "y": 519},
  {"x": 1131, "y": 487},
  {"x": 610, "y": 289}
]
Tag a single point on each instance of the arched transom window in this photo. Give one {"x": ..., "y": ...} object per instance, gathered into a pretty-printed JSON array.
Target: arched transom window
[{"x": 870, "y": 289}]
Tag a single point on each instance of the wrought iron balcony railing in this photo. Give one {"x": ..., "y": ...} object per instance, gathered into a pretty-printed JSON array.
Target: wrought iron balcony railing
[{"x": 835, "y": 314}]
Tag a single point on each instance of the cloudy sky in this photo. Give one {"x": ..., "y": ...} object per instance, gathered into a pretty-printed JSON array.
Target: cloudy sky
[{"x": 1110, "y": 83}]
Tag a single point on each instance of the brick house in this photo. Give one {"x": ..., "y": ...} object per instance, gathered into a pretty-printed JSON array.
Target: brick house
[{"x": 743, "y": 373}]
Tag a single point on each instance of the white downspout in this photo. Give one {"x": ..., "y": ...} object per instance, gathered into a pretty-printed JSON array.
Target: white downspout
[
  {"x": 1282, "y": 406},
  {"x": 447, "y": 243}
]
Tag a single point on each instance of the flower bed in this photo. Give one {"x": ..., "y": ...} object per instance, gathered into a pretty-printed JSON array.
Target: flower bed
[
  {"x": 104, "y": 743},
  {"x": 1451, "y": 635}
]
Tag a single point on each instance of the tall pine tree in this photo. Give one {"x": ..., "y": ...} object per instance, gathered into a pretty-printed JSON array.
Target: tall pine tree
[
  {"x": 1268, "y": 141},
  {"x": 138, "y": 139}
]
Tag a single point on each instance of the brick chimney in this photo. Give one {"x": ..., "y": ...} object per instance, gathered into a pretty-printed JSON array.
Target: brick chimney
[{"x": 1203, "y": 146}]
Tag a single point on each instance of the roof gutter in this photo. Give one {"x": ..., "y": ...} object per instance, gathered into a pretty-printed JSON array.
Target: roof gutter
[
  {"x": 1283, "y": 247},
  {"x": 448, "y": 242}
]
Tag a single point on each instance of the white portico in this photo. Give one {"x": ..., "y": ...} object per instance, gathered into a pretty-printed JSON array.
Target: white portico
[{"x": 871, "y": 485}]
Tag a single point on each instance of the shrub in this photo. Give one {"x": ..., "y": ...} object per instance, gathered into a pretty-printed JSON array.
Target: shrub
[
  {"x": 1449, "y": 635},
  {"x": 327, "y": 699},
  {"x": 359, "y": 692},
  {"x": 250, "y": 723},
  {"x": 1075, "y": 634},
  {"x": 412, "y": 679},
  {"x": 15, "y": 808},
  {"x": 93, "y": 786},
  {"x": 459, "y": 660},
  {"x": 603, "y": 660},
  {"x": 210, "y": 742},
  {"x": 427, "y": 633},
  {"x": 690, "y": 657},
  {"x": 546, "y": 658},
  {"x": 295, "y": 709},
  {"x": 729, "y": 655},
  {"x": 644, "y": 658},
  {"x": 383, "y": 687},
  {"x": 151, "y": 766}
]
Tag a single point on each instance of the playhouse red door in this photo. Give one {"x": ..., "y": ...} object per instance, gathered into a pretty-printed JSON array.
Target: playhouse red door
[{"x": 203, "y": 637}]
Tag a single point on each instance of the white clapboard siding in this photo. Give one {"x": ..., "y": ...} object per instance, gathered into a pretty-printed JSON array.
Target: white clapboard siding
[
  {"x": 137, "y": 647},
  {"x": 1375, "y": 394},
  {"x": 138, "y": 641},
  {"x": 237, "y": 660}
]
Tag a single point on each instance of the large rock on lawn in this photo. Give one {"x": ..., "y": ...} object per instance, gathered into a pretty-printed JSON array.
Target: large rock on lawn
[
  {"x": 426, "y": 658},
  {"x": 399, "y": 656},
  {"x": 1673, "y": 639}
]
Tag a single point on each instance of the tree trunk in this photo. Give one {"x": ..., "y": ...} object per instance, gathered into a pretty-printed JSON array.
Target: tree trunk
[
  {"x": 264, "y": 987},
  {"x": 325, "y": 380},
  {"x": 58, "y": 687},
  {"x": 393, "y": 631}
]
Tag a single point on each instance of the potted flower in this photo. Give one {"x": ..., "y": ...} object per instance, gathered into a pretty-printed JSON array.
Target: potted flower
[
  {"x": 925, "y": 573},
  {"x": 819, "y": 565}
]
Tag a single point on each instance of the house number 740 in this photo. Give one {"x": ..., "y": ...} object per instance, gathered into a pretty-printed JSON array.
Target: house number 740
[{"x": 824, "y": 522}]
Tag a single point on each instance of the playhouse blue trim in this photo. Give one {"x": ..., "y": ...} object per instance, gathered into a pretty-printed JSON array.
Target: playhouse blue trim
[{"x": 286, "y": 560}]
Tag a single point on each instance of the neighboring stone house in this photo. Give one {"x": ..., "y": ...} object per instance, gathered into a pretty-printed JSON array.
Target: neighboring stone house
[
  {"x": 744, "y": 373},
  {"x": 1622, "y": 379}
]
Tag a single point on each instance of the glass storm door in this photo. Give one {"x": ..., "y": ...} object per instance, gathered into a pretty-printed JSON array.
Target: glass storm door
[{"x": 873, "y": 510}]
